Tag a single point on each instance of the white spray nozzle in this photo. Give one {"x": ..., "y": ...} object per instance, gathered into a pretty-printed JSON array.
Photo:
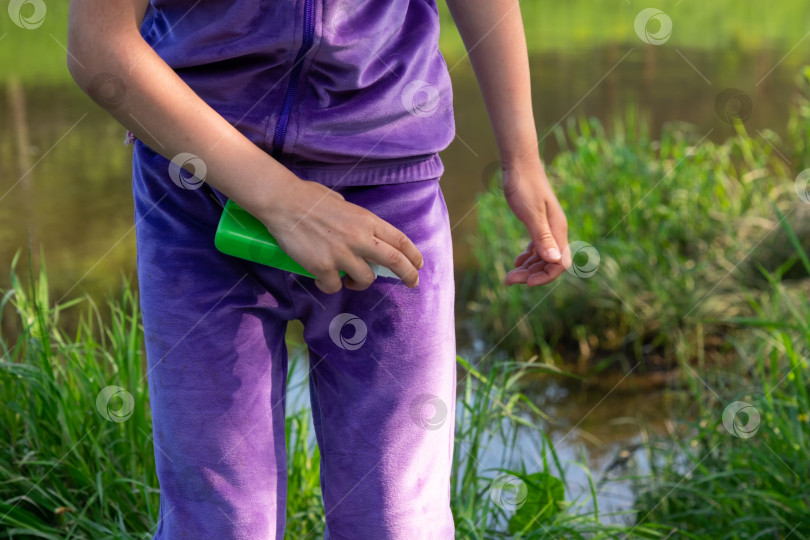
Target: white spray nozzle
[{"x": 382, "y": 271}]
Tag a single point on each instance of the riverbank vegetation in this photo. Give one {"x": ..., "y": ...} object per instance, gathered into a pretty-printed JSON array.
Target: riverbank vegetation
[
  {"x": 670, "y": 238},
  {"x": 702, "y": 266},
  {"x": 74, "y": 465},
  {"x": 76, "y": 456}
]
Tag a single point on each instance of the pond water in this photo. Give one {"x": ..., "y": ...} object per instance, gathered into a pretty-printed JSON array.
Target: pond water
[
  {"x": 65, "y": 186},
  {"x": 596, "y": 431}
]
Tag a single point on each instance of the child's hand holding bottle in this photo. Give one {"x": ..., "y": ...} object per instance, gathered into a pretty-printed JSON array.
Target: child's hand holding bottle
[{"x": 325, "y": 234}]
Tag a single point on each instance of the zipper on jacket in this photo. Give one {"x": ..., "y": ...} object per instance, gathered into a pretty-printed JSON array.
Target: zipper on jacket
[{"x": 284, "y": 117}]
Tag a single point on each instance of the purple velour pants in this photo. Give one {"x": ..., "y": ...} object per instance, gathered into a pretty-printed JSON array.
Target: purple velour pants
[{"x": 382, "y": 373}]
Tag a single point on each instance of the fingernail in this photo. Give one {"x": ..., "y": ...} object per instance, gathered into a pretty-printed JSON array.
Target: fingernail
[{"x": 554, "y": 253}]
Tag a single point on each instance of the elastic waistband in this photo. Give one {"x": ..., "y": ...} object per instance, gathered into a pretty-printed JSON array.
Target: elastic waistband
[
  {"x": 372, "y": 173},
  {"x": 369, "y": 174}
]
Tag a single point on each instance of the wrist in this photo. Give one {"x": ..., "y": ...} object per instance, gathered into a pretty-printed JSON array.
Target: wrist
[
  {"x": 522, "y": 161},
  {"x": 521, "y": 173},
  {"x": 516, "y": 137},
  {"x": 520, "y": 152},
  {"x": 258, "y": 183},
  {"x": 276, "y": 196}
]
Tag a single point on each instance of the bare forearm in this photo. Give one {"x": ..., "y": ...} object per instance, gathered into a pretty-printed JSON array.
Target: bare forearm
[
  {"x": 492, "y": 31},
  {"x": 160, "y": 109}
]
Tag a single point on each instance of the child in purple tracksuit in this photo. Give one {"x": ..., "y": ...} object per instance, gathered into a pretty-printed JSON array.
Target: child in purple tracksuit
[{"x": 323, "y": 119}]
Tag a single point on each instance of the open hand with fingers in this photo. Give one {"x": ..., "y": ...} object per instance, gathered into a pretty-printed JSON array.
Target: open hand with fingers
[{"x": 531, "y": 198}]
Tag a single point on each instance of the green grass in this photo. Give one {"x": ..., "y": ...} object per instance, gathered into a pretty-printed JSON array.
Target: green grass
[
  {"x": 716, "y": 485},
  {"x": 678, "y": 226},
  {"x": 66, "y": 471},
  {"x": 799, "y": 123}
]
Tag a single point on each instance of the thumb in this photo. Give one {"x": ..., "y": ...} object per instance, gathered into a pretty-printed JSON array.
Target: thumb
[
  {"x": 337, "y": 195},
  {"x": 544, "y": 244}
]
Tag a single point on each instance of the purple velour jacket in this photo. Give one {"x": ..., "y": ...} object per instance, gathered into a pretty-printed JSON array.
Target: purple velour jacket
[{"x": 346, "y": 92}]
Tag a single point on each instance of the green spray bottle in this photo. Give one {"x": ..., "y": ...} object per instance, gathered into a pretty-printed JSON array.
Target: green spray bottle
[{"x": 242, "y": 235}]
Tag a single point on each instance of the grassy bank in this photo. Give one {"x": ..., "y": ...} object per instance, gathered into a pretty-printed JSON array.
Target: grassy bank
[
  {"x": 700, "y": 259},
  {"x": 673, "y": 235},
  {"x": 745, "y": 475},
  {"x": 66, "y": 470},
  {"x": 72, "y": 466}
]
